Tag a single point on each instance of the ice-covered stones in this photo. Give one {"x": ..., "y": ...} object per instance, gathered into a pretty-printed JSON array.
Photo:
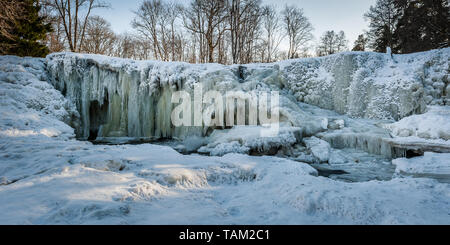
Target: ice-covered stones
[
  {"x": 248, "y": 139},
  {"x": 320, "y": 149}
]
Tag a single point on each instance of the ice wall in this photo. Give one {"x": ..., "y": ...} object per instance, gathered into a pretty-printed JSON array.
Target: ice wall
[
  {"x": 118, "y": 97},
  {"x": 125, "y": 98},
  {"x": 371, "y": 85}
]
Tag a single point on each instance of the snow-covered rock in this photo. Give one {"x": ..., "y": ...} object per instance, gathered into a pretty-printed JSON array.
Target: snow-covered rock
[
  {"x": 320, "y": 149},
  {"x": 338, "y": 157},
  {"x": 48, "y": 177},
  {"x": 371, "y": 85},
  {"x": 336, "y": 124},
  {"x": 247, "y": 139}
]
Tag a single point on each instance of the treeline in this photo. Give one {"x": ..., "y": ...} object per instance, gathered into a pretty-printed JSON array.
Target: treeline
[
  {"x": 203, "y": 31},
  {"x": 206, "y": 31}
]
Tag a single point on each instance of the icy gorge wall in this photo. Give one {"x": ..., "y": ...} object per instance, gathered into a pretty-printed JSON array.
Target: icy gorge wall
[
  {"x": 372, "y": 85},
  {"x": 126, "y": 98}
]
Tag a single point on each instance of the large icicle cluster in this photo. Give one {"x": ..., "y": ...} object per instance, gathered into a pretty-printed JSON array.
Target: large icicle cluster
[{"x": 118, "y": 98}]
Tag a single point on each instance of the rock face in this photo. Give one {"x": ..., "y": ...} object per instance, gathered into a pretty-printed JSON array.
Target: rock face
[{"x": 125, "y": 98}]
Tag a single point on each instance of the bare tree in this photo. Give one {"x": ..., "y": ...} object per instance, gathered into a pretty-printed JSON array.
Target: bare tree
[
  {"x": 272, "y": 31},
  {"x": 99, "y": 36},
  {"x": 156, "y": 20},
  {"x": 223, "y": 53},
  {"x": 183, "y": 47},
  {"x": 327, "y": 44},
  {"x": 173, "y": 12},
  {"x": 331, "y": 43},
  {"x": 206, "y": 19},
  {"x": 74, "y": 15},
  {"x": 126, "y": 46},
  {"x": 147, "y": 23},
  {"x": 193, "y": 52},
  {"x": 55, "y": 40},
  {"x": 298, "y": 28}
]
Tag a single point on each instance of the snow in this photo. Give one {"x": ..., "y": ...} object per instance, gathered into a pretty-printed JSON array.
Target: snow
[
  {"x": 47, "y": 176},
  {"x": 429, "y": 164},
  {"x": 433, "y": 124},
  {"x": 320, "y": 149},
  {"x": 234, "y": 189},
  {"x": 358, "y": 84},
  {"x": 31, "y": 106}
]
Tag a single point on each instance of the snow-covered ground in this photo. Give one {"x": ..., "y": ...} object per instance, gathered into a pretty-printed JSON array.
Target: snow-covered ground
[
  {"x": 49, "y": 177},
  {"x": 431, "y": 165}
]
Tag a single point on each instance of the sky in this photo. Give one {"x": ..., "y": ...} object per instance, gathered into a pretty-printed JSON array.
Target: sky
[{"x": 346, "y": 15}]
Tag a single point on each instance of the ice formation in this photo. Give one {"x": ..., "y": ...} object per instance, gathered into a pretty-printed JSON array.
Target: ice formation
[
  {"x": 320, "y": 149},
  {"x": 31, "y": 105},
  {"x": 247, "y": 139},
  {"x": 118, "y": 98}
]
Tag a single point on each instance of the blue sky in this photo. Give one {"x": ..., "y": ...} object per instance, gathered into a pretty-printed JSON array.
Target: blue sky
[{"x": 346, "y": 15}]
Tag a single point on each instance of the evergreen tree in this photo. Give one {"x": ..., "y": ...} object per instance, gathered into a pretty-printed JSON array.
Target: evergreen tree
[
  {"x": 29, "y": 29},
  {"x": 360, "y": 43},
  {"x": 383, "y": 19},
  {"x": 424, "y": 25}
]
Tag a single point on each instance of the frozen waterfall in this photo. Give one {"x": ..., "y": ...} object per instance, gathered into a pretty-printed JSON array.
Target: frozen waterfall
[{"x": 125, "y": 98}]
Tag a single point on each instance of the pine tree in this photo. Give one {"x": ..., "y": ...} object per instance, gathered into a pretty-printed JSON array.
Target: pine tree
[
  {"x": 360, "y": 43},
  {"x": 29, "y": 29},
  {"x": 424, "y": 25}
]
